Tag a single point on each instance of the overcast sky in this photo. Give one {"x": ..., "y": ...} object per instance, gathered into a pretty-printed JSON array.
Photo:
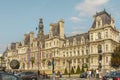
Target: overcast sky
[{"x": 18, "y": 17}]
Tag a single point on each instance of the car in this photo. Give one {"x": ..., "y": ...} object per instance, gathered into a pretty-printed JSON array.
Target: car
[
  {"x": 8, "y": 76},
  {"x": 83, "y": 75},
  {"x": 115, "y": 75},
  {"x": 28, "y": 75}
]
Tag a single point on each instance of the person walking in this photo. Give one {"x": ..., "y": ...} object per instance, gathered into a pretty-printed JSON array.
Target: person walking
[
  {"x": 60, "y": 74},
  {"x": 89, "y": 74},
  {"x": 97, "y": 73},
  {"x": 38, "y": 74},
  {"x": 54, "y": 75}
]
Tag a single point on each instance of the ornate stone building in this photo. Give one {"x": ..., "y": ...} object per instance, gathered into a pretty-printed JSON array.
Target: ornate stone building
[{"x": 93, "y": 48}]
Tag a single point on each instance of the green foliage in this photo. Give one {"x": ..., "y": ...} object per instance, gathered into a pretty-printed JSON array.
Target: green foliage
[
  {"x": 66, "y": 72},
  {"x": 32, "y": 59},
  {"x": 115, "y": 58},
  {"x": 72, "y": 71},
  {"x": 78, "y": 70}
]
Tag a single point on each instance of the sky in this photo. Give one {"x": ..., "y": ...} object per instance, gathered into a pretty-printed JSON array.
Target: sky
[{"x": 18, "y": 17}]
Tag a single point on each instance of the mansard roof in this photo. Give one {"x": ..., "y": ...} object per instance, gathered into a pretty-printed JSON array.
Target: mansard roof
[
  {"x": 106, "y": 18},
  {"x": 78, "y": 37}
]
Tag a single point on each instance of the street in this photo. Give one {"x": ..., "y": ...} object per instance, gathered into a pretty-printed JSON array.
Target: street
[{"x": 70, "y": 79}]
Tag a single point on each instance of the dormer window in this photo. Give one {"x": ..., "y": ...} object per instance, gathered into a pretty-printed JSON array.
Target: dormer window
[
  {"x": 98, "y": 23},
  {"x": 82, "y": 40}
]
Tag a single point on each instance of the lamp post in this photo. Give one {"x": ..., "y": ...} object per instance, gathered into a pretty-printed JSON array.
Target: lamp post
[{"x": 69, "y": 62}]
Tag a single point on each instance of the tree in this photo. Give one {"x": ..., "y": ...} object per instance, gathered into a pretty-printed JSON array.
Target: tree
[
  {"x": 78, "y": 70},
  {"x": 115, "y": 58},
  {"x": 66, "y": 72},
  {"x": 72, "y": 71},
  {"x": 32, "y": 59}
]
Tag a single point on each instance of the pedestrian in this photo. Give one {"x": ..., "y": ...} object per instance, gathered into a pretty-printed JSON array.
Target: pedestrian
[
  {"x": 38, "y": 73},
  {"x": 44, "y": 75},
  {"x": 93, "y": 73},
  {"x": 97, "y": 73},
  {"x": 54, "y": 75},
  {"x": 60, "y": 74}
]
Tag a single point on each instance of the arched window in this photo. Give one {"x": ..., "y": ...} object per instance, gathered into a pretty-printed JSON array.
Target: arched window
[{"x": 99, "y": 49}]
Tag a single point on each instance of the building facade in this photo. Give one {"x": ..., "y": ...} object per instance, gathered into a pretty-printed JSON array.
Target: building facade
[{"x": 93, "y": 48}]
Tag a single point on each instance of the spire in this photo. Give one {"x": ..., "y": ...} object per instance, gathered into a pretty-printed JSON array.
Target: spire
[
  {"x": 40, "y": 29},
  {"x": 40, "y": 24}
]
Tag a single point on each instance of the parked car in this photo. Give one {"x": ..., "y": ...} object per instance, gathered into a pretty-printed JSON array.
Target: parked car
[
  {"x": 8, "y": 76},
  {"x": 27, "y": 75},
  {"x": 83, "y": 75},
  {"x": 112, "y": 76}
]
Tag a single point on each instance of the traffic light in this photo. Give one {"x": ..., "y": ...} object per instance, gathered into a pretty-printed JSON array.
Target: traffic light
[{"x": 100, "y": 57}]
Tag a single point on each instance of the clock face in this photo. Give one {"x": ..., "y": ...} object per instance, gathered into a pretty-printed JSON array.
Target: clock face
[{"x": 14, "y": 64}]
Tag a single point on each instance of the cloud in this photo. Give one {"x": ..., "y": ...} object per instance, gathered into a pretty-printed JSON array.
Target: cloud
[
  {"x": 89, "y": 6},
  {"x": 74, "y": 19}
]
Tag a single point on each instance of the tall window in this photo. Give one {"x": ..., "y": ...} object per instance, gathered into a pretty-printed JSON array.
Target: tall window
[
  {"x": 99, "y": 35},
  {"x": 78, "y": 60},
  {"x": 78, "y": 53},
  {"x": 86, "y": 51},
  {"x": 106, "y": 59},
  {"x": 106, "y": 47},
  {"x": 82, "y": 60},
  {"x": 91, "y": 60},
  {"x": 74, "y": 53},
  {"x": 82, "y": 52},
  {"x": 99, "y": 49},
  {"x": 91, "y": 37},
  {"x": 74, "y": 60},
  {"x": 91, "y": 49},
  {"x": 106, "y": 34}
]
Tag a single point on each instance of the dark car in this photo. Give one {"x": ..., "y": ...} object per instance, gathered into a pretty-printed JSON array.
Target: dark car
[
  {"x": 112, "y": 76},
  {"x": 27, "y": 75},
  {"x": 83, "y": 75},
  {"x": 8, "y": 76}
]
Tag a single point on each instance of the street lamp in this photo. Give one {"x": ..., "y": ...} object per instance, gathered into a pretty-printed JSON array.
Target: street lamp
[{"x": 69, "y": 62}]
